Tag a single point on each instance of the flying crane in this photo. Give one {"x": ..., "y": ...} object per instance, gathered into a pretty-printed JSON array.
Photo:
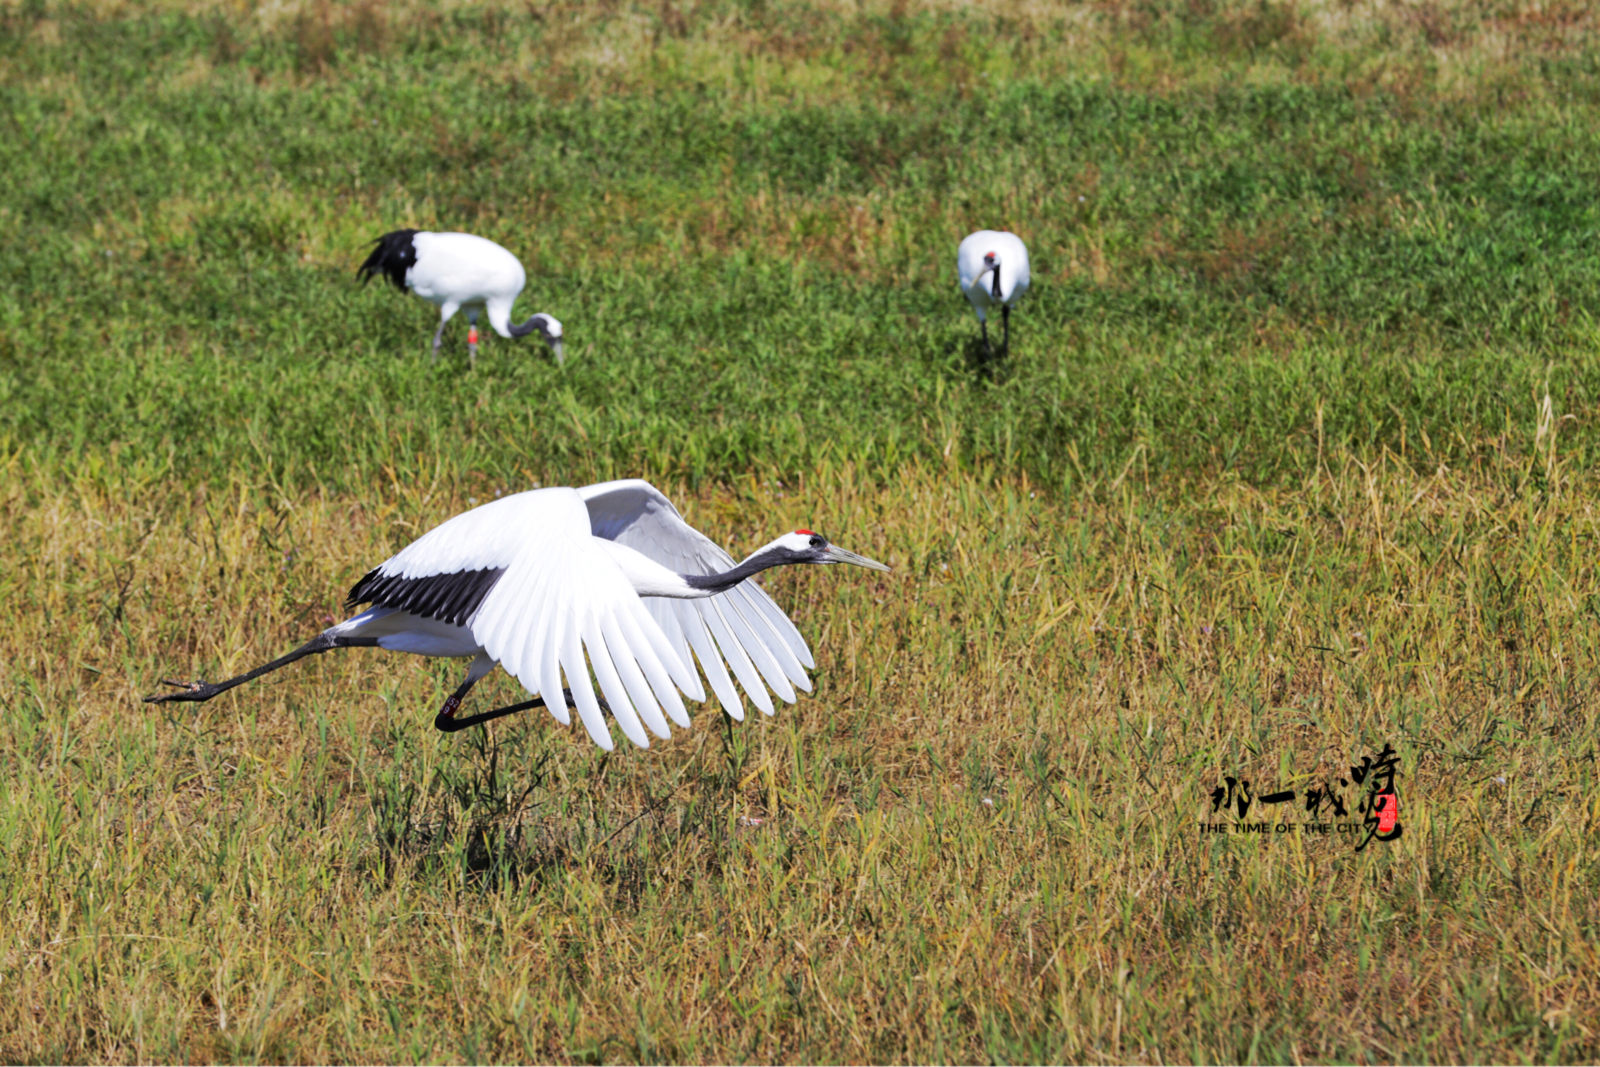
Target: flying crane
[{"x": 535, "y": 580}]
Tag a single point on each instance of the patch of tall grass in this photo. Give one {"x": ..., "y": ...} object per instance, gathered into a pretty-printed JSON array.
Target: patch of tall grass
[{"x": 978, "y": 839}]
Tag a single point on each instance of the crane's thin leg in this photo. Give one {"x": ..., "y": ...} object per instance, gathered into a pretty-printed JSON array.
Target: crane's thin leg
[
  {"x": 197, "y": 691},
  {"x": 1005, "y": 317},
  {"x": 988, "y": 351},
  {"x": 447, "y": 311},
  {"x": 447, "y": 722},
  {"x": 472, "y": 338}
]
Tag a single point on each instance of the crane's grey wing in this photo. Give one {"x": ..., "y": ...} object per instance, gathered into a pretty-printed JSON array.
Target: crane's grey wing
[
  {"x": 742, "y": 625},
  {"x": 559, "y": 595}
]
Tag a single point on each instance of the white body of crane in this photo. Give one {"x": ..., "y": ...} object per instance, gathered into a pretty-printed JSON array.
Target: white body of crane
[
  {"x": 455, "y": 270},
  {"x": 981, "y": 257}
]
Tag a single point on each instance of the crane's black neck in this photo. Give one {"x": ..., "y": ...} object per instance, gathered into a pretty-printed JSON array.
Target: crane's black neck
[
  {"x": 533, "y": 324},
  {"x": 711, "y": 584},
  {"x": 995, "y": 289}
]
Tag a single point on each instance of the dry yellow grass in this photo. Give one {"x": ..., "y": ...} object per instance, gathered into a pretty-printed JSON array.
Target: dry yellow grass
[{"x": 978, "y": 839}]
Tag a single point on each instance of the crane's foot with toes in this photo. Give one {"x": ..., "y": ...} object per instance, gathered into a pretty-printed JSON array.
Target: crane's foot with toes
[{"x": 196, "y": 690}]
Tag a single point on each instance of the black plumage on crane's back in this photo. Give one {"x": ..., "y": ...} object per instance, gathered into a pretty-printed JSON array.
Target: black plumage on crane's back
[{"x": 396, "y": 253}]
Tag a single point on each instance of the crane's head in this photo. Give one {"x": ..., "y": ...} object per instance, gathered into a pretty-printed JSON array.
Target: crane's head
[
  {"x": 546, "y": 326},
  {"x": 803, "y": 546},
  {"x": 550, "y": 330}
]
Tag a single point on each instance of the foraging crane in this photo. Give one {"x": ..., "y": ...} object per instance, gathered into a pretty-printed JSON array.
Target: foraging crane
[
  {"x": 455, "y": 271},
  {"x": 993, "y": 267},
  {"x": 533, "y": 581}
]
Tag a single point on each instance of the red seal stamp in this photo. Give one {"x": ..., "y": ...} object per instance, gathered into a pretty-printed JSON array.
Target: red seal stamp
[{"x": 1388, "y": 809}]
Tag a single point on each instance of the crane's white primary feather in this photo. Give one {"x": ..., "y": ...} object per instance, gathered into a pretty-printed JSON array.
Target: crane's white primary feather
[
  {"x": 561, "y": 593},
  {"x": 580, "y": 596},
  {"x": 741, "y": 625},
  {"x": 974, "y": 275}
]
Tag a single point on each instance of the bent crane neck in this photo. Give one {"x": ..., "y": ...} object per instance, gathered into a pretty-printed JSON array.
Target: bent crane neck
[
  {"x": 525, "y": 328},
  {"x": 500, "y": 318}
]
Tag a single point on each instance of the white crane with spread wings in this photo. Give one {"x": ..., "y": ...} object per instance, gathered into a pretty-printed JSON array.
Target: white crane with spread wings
[{"x": 534, "y": 581}]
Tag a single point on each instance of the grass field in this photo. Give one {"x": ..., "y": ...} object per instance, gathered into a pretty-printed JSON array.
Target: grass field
[{"x": 1292, "y": 459}]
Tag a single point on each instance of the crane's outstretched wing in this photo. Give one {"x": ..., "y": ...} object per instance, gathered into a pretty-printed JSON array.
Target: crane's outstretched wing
[
  {"x": 557, "y": 594},
  {"x": 741, "y": 625}
]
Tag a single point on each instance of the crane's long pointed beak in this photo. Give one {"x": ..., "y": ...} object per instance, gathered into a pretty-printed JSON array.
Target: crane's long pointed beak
[
  {"x": 843, "y": 555},
  {"x": 555, "y": 346}
]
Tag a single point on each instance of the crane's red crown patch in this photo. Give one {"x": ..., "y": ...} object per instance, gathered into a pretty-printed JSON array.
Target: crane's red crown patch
[{"x": 806, "y": 532}]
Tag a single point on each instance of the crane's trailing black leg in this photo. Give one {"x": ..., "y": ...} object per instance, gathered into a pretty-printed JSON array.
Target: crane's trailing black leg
[
  {"x": 438, "y": 339},
  {"x": 447, "y": 721},
  {"x": 1005, "y": 317},
  {"x": 199, "y": 691}
]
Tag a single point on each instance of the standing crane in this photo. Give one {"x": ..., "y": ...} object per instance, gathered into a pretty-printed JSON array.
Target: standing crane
[
  {"x": 535, "y": 580},
  {"x": 455, "y": 271},
  {"x": 993, "y": 268}
]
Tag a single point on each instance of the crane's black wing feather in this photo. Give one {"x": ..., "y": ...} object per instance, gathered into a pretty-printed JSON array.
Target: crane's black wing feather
[
  {"x": 450, "y": 598},
  {"x": 396, "y": 253}
]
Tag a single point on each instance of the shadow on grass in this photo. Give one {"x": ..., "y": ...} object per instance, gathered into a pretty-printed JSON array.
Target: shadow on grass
[
  {"x": 989, "y": 362},
  {"x": 472, "y": 813}
]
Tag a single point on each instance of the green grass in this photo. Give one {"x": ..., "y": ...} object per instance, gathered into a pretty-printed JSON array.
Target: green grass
[
  {"x": 750, "y": 231},
  {"x": 1291, "y": 459}
]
